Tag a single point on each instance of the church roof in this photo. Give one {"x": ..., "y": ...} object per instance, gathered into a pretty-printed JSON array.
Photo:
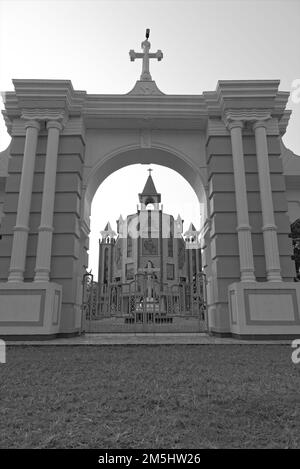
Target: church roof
[
  {"x": 107, "y": 227},
  {"x": 149, "y": 194},
  {"x": 108, "y": 231},
  {"x": 191, "y": 231},
  {"x": 149, "y": 188}
]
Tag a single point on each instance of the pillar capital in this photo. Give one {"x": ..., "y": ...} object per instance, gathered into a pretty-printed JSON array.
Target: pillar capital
[
  {"x": 54, "y": 118},
  {"x": 260, "y": 123},
  {"x": 54, "y": 124},
  {"x": 231, "y": 124},
  {"x": 43, "y": 114},
  {"x": 32, "y": 124},
  {"x": 245, "y": 115}
]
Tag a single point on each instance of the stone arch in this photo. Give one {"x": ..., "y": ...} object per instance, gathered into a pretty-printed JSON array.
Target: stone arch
[
  {"x": 157, "y": 154},
  {"x": 127, "y": 155}
]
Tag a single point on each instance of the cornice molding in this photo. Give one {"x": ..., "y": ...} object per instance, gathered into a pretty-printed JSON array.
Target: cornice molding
[
  {"x": 246, "y": 94},
  {"x": 145, "y": 100},
  {"x": 283, "y": 122},
  {"x": 49, "y": 97}
]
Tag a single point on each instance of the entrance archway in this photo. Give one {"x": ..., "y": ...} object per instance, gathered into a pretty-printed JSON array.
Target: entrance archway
[
  {"x": 226, "y": 143},
  {"x": 189, "y": 297}
]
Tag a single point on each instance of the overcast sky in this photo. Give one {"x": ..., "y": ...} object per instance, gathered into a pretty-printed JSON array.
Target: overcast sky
[{"x": 202, "y": 41}]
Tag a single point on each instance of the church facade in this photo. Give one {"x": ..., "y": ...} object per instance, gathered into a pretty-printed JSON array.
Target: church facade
[
  {"x": 149, "y": 241},
  {"x": 227, "y": 144}
]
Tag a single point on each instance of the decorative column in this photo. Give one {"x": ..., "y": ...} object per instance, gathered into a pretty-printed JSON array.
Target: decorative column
[
  {"x": 243, "y": 228},
  {"x": 43, "y": 259},
  {"x": 19, "y": 247},
  {"x": 269, "y": 228}
]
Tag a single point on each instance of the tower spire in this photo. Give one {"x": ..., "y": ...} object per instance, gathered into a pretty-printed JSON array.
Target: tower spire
[{"x": 150, "y": 194}]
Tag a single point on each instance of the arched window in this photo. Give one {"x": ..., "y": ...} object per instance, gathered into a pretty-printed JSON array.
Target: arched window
[
  {"x": 171, "y": 237},
  {"x": 105, "y": 269},
  {"x": 129, "y": 245}
]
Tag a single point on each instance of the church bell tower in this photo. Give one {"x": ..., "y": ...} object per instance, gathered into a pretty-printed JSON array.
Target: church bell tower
[{"x": 106, "y": 254}]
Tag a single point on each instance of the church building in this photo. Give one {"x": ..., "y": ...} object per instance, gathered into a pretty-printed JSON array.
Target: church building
[{"x": 149, "y": 241}]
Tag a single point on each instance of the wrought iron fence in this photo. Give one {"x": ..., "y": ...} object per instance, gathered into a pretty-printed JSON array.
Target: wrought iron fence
[{"x": 144, "y": 300}]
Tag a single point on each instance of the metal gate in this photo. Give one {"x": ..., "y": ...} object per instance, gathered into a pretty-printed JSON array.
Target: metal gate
[{"x": 144, "y": 305}]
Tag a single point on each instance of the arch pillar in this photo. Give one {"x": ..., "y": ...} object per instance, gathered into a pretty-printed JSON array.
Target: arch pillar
[
  {"x": 45, "y": 230},
  {"x": 21, "y": 229},
  {"x": 269, "y": 228},
  {"x": 243, "y": 227}
]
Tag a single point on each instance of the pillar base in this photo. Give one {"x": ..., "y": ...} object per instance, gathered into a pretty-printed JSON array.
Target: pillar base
[
  {"x": 30, "y": 309},
  {"x": 265, "y": 309}
]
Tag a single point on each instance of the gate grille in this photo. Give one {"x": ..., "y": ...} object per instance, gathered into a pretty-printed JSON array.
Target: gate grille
[{"x": 144, "y": 305}]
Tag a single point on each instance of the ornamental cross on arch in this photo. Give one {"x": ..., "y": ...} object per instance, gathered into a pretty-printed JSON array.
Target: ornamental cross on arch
[{"x": 146, "y": 56}]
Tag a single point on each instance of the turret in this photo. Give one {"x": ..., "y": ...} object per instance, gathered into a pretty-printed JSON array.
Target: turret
[
  {"x": 106, "y": 253},
  {"x": 108, "y": 234}
]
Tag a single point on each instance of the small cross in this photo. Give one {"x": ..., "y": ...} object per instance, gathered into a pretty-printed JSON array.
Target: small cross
[
  {"x": 146, "y": 55},
  {"x": 149, "y": 171}
]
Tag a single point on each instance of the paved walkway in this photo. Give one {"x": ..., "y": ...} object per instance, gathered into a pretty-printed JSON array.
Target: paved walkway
[{"x": 149, "y": 339}]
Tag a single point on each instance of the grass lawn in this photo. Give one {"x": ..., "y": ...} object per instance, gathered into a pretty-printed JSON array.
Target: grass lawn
[{"x": 235, "y": 396}]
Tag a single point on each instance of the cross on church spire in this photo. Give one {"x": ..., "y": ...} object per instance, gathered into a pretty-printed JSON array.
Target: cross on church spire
[{"x": 145, "y": 55}]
